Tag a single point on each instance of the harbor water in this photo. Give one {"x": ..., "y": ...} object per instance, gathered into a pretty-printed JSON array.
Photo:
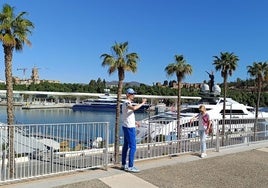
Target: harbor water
[
  {"x": 62, "y": 115},
  {"x": 66, "y": 115}
]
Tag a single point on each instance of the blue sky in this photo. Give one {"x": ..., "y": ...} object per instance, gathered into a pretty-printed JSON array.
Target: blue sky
[{"x": 70, "y": 35}]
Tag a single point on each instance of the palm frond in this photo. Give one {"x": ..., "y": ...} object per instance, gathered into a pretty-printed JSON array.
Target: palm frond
[
  {"x": 119, "y": 59},
  {"x": 180, "y": 67}
]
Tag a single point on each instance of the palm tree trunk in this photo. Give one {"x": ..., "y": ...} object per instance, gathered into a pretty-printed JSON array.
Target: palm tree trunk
[
  {"x": 117, "y": 122},
  {"x": 178, "y": 114},
  {"x": 224, "y": 107},
  {"x": 257, "y": 108},
  {"x": 10, "y": 117}
]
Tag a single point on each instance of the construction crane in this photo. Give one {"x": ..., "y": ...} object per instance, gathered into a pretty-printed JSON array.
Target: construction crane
[{"x": 24, "y": 71}]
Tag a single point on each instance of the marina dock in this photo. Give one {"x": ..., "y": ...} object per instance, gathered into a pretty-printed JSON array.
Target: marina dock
[{"x": 46, "y": 105}]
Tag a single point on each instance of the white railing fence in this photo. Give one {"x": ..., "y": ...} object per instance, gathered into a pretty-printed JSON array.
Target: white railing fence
[
  {"x": 163, "y": 141},
  {"x": 53, "y": 148},
  {"x": 49, "y": 149}
]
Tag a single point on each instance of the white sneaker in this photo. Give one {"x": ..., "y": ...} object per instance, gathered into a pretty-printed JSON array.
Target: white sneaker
[
  {"x": 124, "y": 167},
  {"x": 133, "y": 169},
  {"x": 203, "y": 155}
]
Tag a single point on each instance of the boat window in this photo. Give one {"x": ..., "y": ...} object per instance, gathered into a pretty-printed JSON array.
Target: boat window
[
  {"x": 233, "y": 112},
  {"x": 190, "y": 110},
  {"x": 210, "y": 100},
  {"x": 251, "y": 109},
  {"x": 221, "y": 101}
]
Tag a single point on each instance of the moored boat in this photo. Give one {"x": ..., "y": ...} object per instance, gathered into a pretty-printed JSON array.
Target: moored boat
[
  {"x": 104, "y": 103},
  {"x": 238, "y": 117}
]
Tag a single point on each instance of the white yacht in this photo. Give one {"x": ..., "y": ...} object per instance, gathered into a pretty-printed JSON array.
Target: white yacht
[{"x": 238, "y": 117}]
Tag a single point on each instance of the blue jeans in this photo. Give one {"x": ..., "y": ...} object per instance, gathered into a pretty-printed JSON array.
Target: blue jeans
[
  {"x": 129, "y": 143},
  {"x": 202, "y": 134}
]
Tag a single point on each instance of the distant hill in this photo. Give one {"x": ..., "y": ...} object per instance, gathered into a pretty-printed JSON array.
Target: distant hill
[{"x": 115, "y": 83}]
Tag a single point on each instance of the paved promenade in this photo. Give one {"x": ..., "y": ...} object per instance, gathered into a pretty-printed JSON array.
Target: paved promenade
[{"x": 245, "y": 166}]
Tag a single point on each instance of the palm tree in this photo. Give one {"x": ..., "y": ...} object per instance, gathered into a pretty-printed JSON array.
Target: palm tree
[
  {"x": 13, "y": 34},
  {"x": 259, "y": 70},
  {"x": 226, "y": 63},
  {"x": 180, "y": 68},
  {"x": 120, "y": 61}
]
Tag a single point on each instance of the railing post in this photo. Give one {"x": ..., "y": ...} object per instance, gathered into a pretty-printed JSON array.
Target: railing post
[
  {"x": 51, "y": 159},
  {"x": 217, "y": 136},
  {"x": 106, "y": 152},
  {"x": 245, "y": 136},
  {"x": 3, "y": 168}
]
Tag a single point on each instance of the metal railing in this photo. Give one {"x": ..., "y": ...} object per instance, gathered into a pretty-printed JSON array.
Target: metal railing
[
  {"x": 159, "y": 138},
  {"x": 49, "y": 149}
]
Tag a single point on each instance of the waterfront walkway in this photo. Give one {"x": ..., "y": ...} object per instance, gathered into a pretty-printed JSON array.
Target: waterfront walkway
[{"x": 244, "y": 166}]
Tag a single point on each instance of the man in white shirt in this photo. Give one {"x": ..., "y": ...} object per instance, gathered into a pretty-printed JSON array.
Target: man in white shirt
[{"x": 129, "y": 130}]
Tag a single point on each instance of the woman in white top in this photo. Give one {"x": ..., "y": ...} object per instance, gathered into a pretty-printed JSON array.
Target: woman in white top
[{"x": 204, "y": 124}]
